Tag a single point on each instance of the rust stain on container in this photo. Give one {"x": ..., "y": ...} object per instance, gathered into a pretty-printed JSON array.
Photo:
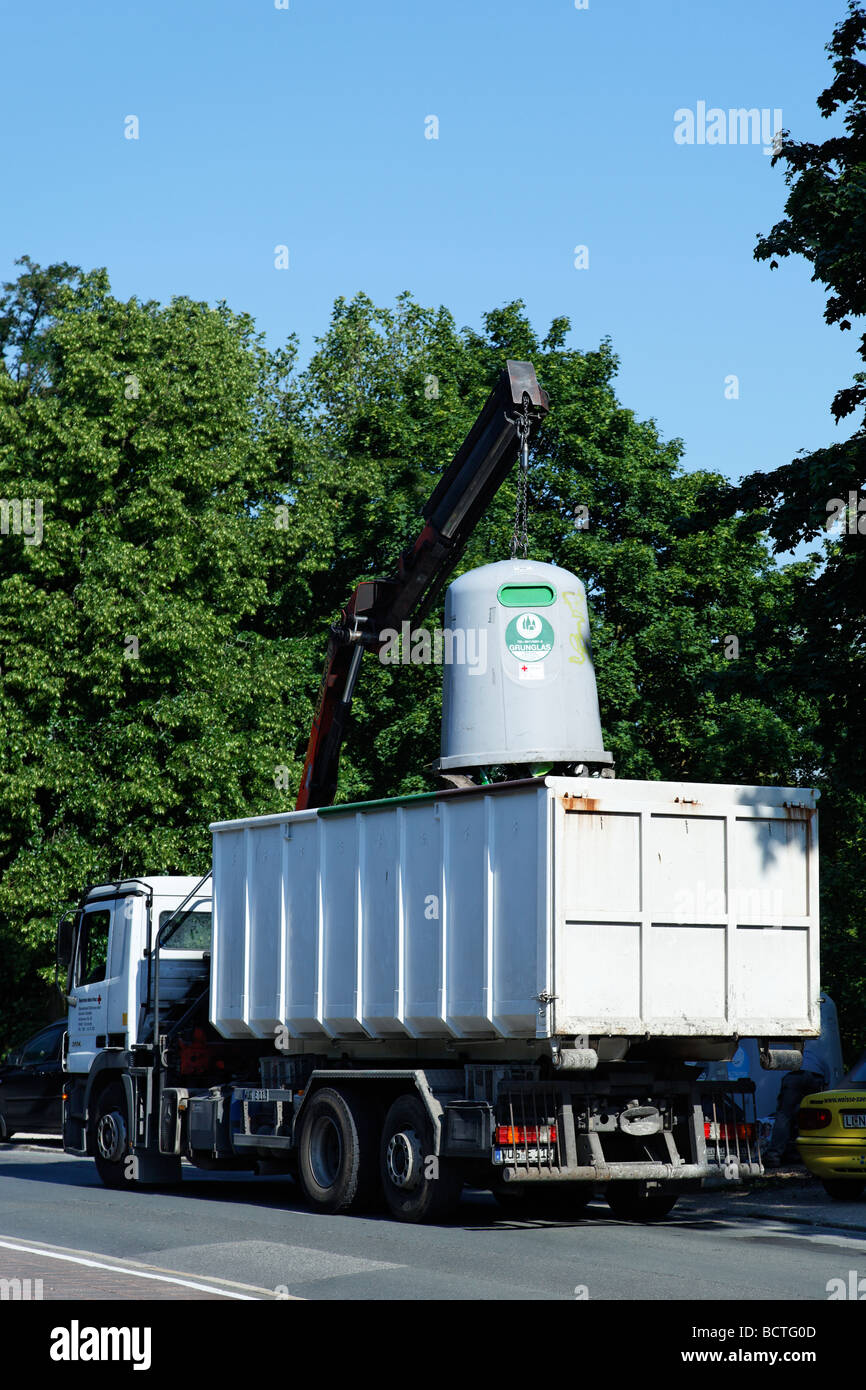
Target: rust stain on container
[
  {"x": 580, "y": 803},
  {"x": 797, "y": 810}
]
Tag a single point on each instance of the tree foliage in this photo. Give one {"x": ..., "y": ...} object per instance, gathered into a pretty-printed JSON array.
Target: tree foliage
[{"x": 821, "y": 497}]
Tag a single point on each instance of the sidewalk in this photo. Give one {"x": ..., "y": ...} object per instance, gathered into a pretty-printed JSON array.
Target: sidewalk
[{"x": 786, "y": 1194}]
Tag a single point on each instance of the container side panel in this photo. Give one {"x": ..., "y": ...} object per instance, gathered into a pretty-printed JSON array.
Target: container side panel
[
  {"x": 228, "y": 1000},
  {"x": 342, "y": 922},
  {"x": 772, "y": 876},
  {"x": 301, "y": 893},
  {"x": 685, "y": 975},
  {"x": 602, "y": 970},
  {"x": 516, "y": 869},
  {"x": 463, "y": 823},
  {"x": 380, "y": 884},
  {"x": 771, "y": 978},
  {"x": 422, "y": 919},
  {"x": 602, "y": 865},
  {"x": 263, "y": 899},
  {"x": 687, "y": 881}
]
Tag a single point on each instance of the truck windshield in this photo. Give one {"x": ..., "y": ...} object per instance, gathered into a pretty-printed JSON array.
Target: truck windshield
[{"x": 191, "y": 931}]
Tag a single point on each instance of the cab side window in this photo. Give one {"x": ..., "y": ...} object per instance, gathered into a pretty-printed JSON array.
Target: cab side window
[{"x": 93, "y": 947}]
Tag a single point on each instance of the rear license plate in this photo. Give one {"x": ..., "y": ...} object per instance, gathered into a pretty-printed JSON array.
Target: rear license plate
[
  {"x": 854, "y": 1119},
  {"x": 521, "y": 1155}
]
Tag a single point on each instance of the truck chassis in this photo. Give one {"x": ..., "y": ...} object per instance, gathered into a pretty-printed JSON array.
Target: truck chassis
[{"x": 413, "y": 1135}]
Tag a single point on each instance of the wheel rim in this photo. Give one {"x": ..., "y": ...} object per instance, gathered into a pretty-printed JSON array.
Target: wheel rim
[
  {"x": 111, "y": 1136},
  {"x": 405, "y": 1160},
  {"x": 326, "y": 1151}
]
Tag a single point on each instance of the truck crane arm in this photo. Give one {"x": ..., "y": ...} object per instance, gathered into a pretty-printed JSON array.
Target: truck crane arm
[{"x": 512, "y": 413}]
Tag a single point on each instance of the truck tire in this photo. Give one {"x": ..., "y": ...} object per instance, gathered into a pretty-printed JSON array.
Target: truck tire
[
  {"x": 5, "y": 1132},
  {"x": 844, "y": 1189},
  {"x": 337, "y": 1153},
  {"x": 112, "y": 1151},
  {"x": 632, "y": 1201},
  {"x": 417, "y": 1185}
]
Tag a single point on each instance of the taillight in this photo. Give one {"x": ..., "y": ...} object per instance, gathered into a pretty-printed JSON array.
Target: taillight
[
  {"x": 727, "y": 1130},
  {"x": 810, "y": 1117},
  {"x": 522, "y": 1134}
]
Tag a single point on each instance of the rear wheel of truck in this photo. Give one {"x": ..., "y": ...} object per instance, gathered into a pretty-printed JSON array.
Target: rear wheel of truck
[
  {"x": 115, "y": 1163},
  {"x": 633, "y": 1201},
  {"x": 5, "y": 1132},
  {"x": 337, "y": 1153},
  {"x": 418, "y": 1186},
  {"x": 844, "y": 1189}
]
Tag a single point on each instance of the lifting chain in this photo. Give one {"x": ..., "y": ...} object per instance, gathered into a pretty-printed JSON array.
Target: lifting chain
[{"x": 520, "y": 537}]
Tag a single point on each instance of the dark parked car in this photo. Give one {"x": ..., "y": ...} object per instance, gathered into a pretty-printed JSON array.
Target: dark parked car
[{"x": 31, "y": 1084}]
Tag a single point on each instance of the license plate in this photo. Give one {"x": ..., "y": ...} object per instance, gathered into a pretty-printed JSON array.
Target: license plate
[
  {"x": 854, "y": 1119},
  {"x": 509, "y": 1156}
]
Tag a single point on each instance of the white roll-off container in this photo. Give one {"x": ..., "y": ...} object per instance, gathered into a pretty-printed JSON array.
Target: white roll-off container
[{"x": 536, "y": 910}]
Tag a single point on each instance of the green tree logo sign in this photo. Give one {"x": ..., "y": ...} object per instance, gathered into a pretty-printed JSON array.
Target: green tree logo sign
[{"x": 529, "y": 637}]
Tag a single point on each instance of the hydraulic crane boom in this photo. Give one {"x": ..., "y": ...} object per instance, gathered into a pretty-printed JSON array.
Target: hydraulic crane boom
[{"x": 513, "y": 411}]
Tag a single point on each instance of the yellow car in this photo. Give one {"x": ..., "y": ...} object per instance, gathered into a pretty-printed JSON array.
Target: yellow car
[{"x": 832, "y": 1138}]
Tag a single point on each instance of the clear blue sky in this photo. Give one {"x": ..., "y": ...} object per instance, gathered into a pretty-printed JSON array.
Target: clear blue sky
[{"x": 306, "y": 126}]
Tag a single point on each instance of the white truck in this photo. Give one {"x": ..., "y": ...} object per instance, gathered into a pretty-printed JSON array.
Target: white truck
[{"x": 501, "y": 986}]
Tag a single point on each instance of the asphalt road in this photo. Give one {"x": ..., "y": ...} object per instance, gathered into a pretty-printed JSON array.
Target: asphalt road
[{"x": 228, "y": 1236}]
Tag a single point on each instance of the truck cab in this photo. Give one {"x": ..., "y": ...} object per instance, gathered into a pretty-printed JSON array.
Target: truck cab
[{"x": 118, "y": 1003}]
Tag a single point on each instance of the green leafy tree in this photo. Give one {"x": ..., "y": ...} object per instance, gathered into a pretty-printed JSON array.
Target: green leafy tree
[
  {"x": 145, "y": 691},
  {"x": 821, "y": 497}
]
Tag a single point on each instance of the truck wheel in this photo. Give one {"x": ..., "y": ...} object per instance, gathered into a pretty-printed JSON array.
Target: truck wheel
[
  {"x": 418, "y": 1186},
  {"x": 844, "y": 1189},
  {"x": 337, "y": 1153},
  {"x": 115, "y": 1163},
  {"x": 5, "y": 1132},
  {"x": 631, "y": 1201}
]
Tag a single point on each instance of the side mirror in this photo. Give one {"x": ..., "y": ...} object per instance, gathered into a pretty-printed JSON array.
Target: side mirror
[{"x": 65, "y": 939}]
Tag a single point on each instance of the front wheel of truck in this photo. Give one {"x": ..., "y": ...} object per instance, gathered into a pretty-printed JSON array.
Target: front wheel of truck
[
  {"x": 115, "y": 1162},
  {"x": 634, "y": 1201}
]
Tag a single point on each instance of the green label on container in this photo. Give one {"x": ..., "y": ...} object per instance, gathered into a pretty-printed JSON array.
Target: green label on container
[{"x": 529, "y": 637}]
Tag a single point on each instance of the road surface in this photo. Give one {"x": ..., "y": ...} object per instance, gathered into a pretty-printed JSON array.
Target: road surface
[{"x": 229, "y": 1236}]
